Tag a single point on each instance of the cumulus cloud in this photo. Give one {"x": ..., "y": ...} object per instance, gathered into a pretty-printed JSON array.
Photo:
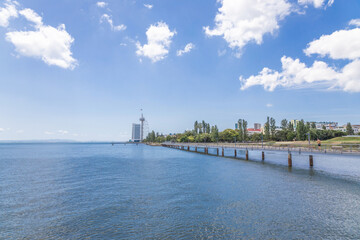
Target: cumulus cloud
[
  {"x": 108, "y": 19},
  {"x": 355, "y": 22},
  {"x": 269, "y": 105},
  {"x": 32, "y": 16},
  {"x": 148, "y": 6},
  {"x": 240, "y": 22},
  {"x": 2, "y": 130},
  {"x": 159, "y": 39},
  {"x": 101, "y": 4},
  {"x": 52, "y": 45},
  {"x": 343, "y": 44},
  {"x": 187, "y": 49},
  {"x": 294, "y": 74},
  {"x": 316, "y": 3},
  {"x": 8, "y": 11}
]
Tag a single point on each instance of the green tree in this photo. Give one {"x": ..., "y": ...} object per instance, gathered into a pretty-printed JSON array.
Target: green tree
[
  {"x": 284, "y": 124},
  {"x": 196, "y": 127},
  {"x": 290, "y": 135},
  {"x": 208, "y": 128},
  {"x": 313, "y": 125},
  {"x": 245, "y": 132},
  {"x": 349, "y": 129},
  {"x": 291, "y": 127},
  {"x": 228, "y": 135},
  {"x": 307, "y": 127},
  {"x": 301, "y": 131},
  {"x": 272, "y": 128},
  {"x": 215, "y": 134},
  {"x": 267, "y": 129},
  {"x": 240, "y": 130}
]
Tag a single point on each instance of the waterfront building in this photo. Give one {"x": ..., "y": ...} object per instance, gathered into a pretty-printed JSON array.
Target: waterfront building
[
  {"x": 252, "y": 131},
  {"x": 136, "y": 129},
  {"x": 328, "y": 125},
  {"x": 356, "y": 129},
  {"x": 342, "y": 128}
]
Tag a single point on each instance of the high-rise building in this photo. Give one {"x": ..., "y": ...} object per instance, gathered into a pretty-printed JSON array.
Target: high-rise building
[
  {"x": 294, "y": 123},
  {"x": 257, "y": 126},
  {"x": 142, "y": 120},
  {"x": 136, "y": 137}
]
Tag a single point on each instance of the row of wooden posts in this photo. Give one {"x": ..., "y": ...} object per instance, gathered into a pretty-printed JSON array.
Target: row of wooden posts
[{"x": 206, "y": 151}]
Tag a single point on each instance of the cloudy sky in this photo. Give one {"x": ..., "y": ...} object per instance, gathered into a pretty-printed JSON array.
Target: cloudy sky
[{"x": 82, "y": 70}]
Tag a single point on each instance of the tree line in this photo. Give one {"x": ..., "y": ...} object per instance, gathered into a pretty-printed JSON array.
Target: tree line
[{"x": 204, "y": 132}]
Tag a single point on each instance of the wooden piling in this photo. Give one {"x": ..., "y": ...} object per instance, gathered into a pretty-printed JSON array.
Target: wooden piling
[
  {"x": 195, "y": 149},
  {"x": 222, "y": 153},
  {"x": 206, "y": 150},
  {"x": 235, "y": 152},
  {"x": 289, "y": 160},
  {"x": 247, "y": 154},
  {"x": 311, "y": 160},
  {"x": 217, "y": 151},
  {"x": 263, "y": 156}
]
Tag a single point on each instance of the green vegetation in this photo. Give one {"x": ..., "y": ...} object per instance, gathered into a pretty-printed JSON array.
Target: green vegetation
[
  {"x": 204, "y": 132},
  {"x": 344, "y": 140}
]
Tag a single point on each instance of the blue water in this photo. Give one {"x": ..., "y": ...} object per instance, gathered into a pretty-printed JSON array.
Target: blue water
[{"x": 99, "y": 191}]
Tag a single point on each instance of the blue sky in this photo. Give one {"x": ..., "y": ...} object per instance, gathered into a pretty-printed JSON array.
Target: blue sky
[{"x": 82, "y": 70}]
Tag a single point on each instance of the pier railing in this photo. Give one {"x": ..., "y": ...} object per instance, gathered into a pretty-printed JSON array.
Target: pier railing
[
  {"x": 244, "y": 149},
  {"x": 353, "y": 149}
]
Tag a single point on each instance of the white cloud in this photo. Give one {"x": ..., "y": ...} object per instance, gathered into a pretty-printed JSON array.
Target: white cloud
[
  {"x": 159, "y": 39},
  {"x": 63, "y": 132},
  {"x": 7, "y": 12},
  {"x": 240, "y": 22},
  {"x": 20, "y": 131},
  {"x": 101, "y": 4},
  {"x": 316, "y": 3},
  {"x": 109, "y": 20},
  {"x": 149, "y": 6},
  {"x": 355, "y": 22},
  {"x": 2, "y": 130},
  {"x": 48, "y": 133},
  {"x": 269, "y": 105},
  {"x": 187, "y": 49},
  {"x": 32, "y": 16},
  {"x": 296, "y": 75},
  {"x": 51, "y": 45},
  {"x": 343, "y": 44}
]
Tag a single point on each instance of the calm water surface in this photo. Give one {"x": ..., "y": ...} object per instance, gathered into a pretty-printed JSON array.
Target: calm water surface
[{"x": 99, "y": 191}]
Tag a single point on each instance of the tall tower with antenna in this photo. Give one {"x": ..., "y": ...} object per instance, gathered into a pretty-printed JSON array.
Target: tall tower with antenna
[{"x": 142, "y": 120}]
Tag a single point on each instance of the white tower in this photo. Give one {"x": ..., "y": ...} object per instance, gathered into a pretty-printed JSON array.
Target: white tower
[{"x": 142, "y": 120}]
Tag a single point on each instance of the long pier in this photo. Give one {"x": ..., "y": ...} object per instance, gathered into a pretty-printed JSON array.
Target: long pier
[{"x": 237, "y": 151}]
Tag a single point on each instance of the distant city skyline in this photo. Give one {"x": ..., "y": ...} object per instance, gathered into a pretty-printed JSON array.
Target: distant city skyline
[{"x": 82, "y": 70}]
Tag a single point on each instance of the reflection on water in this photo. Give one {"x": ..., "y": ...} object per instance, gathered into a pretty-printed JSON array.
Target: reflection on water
[{"x": 72, "y": 191}]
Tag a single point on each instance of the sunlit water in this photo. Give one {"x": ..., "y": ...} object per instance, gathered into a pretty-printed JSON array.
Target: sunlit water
[{"x": 99, "y": 191}]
